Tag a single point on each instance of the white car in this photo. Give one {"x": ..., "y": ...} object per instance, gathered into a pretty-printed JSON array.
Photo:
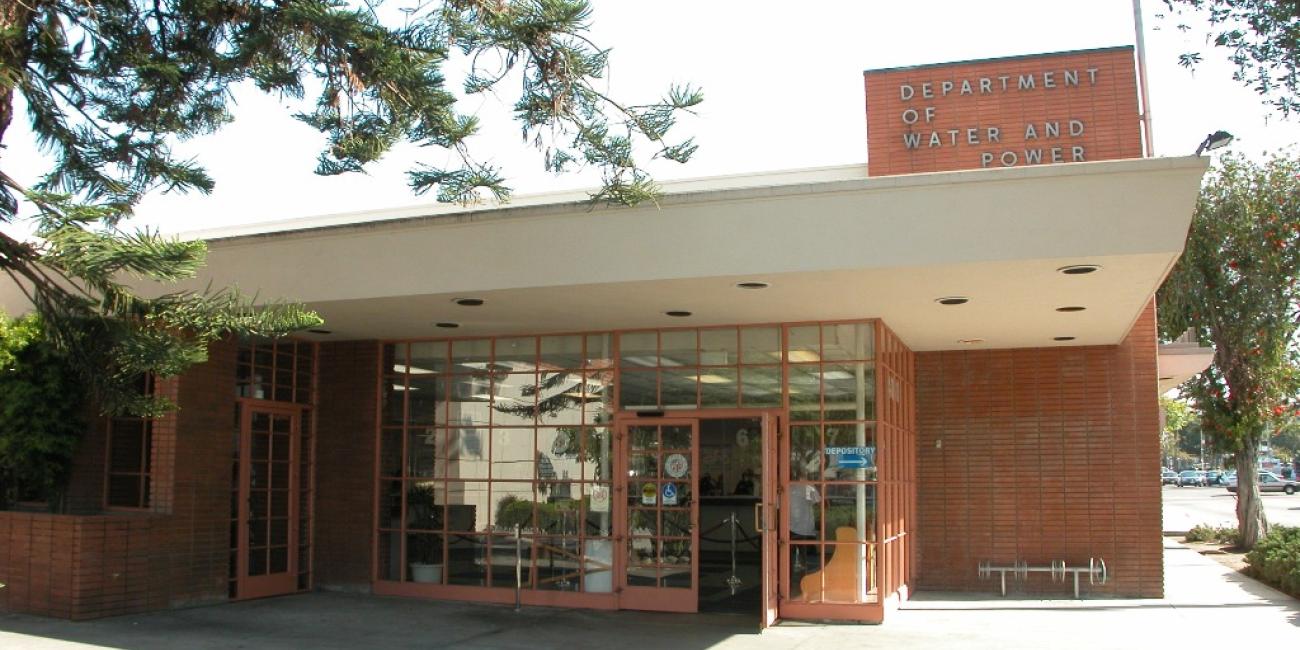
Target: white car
[{"x": 1269, "y": 482}]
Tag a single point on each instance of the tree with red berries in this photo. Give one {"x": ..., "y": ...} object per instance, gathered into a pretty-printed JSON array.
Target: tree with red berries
[{"x": 1236, "y": 287}]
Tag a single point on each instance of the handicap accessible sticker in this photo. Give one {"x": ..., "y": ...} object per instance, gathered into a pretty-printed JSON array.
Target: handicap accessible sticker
[{"x": 670, "y": 494}]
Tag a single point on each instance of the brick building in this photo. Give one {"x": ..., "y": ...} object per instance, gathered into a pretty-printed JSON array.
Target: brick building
[{"x": 802, "y": 394}]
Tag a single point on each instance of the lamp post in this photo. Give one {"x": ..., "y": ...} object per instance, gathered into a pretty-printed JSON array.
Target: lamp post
[
  {"x": 1216, "y": 140},
  {"x": 1202, "y": 465}
]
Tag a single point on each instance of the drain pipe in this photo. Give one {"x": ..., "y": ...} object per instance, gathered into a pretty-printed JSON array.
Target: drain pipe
[{"x": 1148, "y": 137}]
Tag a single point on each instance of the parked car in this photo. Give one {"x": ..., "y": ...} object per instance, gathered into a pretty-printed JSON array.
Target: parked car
[
  {"x": 1191, "y": 477},
  {"x": 1168, "y": 477},
  {"x": 1214, "y": 477},
  {"x": 1269, "y": 482}
]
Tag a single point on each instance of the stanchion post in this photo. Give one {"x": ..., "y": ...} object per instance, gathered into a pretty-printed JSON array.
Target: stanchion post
[{"x": 519, "y": 569}]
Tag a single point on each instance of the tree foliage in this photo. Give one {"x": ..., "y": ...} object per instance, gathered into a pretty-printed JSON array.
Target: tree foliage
[
  {"x": 1236, "y": 288},
  {"x": 77, "y": 279},
  {"x": 109, "y": 86},
  {"x": 1178, "y": 416},
  {"x": 1262, "y": 38},
  {"x": 41, "y": 412}
]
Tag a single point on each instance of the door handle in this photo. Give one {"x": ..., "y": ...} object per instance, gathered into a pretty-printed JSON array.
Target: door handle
[{"x": 758, "y": 517}]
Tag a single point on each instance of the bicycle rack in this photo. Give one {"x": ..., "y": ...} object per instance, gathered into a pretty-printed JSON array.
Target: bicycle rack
[{"x": 1096, "y": 571}]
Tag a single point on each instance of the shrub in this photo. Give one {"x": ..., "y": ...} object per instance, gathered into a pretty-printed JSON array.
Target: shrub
[
  {"x": 1276, "y": 559},
  {"x": 1213, "y": 534},
  {"x": 41, "y": 414}
]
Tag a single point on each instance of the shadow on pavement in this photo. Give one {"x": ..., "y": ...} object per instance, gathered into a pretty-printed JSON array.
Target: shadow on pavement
[{"x": 335, "y": 620}]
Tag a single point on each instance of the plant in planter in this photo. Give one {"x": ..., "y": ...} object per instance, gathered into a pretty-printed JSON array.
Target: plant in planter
[
  {"x": 424, "y": 556},
  {"x": 424, "y": 550}
]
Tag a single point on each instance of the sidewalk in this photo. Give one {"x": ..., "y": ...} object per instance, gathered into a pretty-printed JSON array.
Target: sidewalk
[{"x": 1208, "y": 604}]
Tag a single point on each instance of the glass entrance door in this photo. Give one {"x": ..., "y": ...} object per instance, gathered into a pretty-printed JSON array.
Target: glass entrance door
[
  {"x": 267, "y": 523},
  {"x": 660, "y": 523}
]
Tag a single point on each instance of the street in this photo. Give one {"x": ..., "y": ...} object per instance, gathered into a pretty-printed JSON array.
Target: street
[{"x": 1188, "y": 506}]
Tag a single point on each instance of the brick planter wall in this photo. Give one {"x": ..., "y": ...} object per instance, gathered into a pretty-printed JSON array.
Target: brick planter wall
[
  {"x": 176, "y": 553},
  {"x": 82, "y": 566},
  {"x": 1037, "y": 455}
]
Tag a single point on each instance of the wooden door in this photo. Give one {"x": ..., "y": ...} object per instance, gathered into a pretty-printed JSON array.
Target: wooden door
[{"x": 267, "y": 556}]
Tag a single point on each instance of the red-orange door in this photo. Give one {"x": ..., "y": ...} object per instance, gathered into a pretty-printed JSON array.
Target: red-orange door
[
  {"x": 266, "y": 559},
  {"x": 660, "y": 522},
  {"x": 768, "y": 519}
]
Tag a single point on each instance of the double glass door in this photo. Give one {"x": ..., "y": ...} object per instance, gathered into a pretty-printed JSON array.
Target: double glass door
[{"x": 665, "y": 488}]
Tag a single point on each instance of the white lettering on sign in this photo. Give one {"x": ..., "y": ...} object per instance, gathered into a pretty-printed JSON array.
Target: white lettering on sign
[
  {"x": 1046, "y": 80},
  {"x": 1032, "y": 156},
  {"x": 983, "y": 135},
  {"x": 841, "y": 451}
]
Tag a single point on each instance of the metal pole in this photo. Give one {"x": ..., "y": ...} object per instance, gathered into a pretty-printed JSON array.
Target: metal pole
[
  {"x": 1148, "y": 137},
  {"x": 519, "y": 569},
  {"x": 733, "y": 581}
]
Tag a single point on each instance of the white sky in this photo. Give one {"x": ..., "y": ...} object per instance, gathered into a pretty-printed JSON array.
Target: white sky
[{"x": 783, "y": 89}]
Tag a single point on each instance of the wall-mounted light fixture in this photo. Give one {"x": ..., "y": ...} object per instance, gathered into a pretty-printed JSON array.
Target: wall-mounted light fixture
[{"x": 1216, "y": 140}]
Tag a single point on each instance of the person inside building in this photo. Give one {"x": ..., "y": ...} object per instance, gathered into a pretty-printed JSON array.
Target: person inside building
[
  {"x": 708, "y": 487},
  {"x": 803, "y": 505},
  {"x": 746, "y": 484}
]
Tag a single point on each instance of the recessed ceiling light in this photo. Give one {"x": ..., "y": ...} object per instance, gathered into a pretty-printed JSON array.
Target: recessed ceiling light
[
  {"x": 468, "y": 302},
  {"x": 952, "y": 300},
  {"x": 320, "y": 331},
  {"x": 1073, "y": 308},
  {"x": 677, "y": 313},
  {"x": 752, "y": 285},
  {"x": 970, "y": 341},
  {"x": 1078, "y": 269},
  {"x": 449, "y": 326},
  {"x": 1063, "y": 338}
]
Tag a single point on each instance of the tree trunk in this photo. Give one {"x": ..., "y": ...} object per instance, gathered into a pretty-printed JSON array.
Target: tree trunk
[
  {"x": 15, "y": 17},
  {"x": 1251, "y": 522}
]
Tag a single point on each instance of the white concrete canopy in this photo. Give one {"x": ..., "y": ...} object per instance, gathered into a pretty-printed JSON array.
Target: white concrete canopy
[
  {"x": 832, "y": 243},
  {"x": 1181, "y": 360}
]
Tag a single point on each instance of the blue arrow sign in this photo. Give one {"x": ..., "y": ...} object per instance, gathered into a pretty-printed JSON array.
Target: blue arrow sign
[{"x": 851, "y": 461}]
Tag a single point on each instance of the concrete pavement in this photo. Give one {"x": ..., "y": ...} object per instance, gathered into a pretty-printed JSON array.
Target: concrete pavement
[
  {"x": 1205, "y": 602},
  {"x": 1189, "y": 506}
]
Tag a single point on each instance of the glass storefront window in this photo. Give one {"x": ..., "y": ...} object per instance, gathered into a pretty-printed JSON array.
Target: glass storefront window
[
  {"x": 719, "y": 347},
  {"x": 516, "y": 431},
  {"x": 484, "y": 435},
  {"x": 639, "y": 349},
  {"x": 760, "y": 345},
  {"x": 678, "y": 348}
]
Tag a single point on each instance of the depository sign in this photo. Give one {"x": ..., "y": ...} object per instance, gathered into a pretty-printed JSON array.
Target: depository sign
[{"x": 1058, "y": 108}]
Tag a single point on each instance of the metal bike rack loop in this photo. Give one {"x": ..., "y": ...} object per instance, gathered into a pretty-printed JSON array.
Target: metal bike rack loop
[{"x": 1096, "y": 571}]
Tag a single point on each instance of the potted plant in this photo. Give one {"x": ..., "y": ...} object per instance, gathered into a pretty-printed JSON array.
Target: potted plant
[
  {"x": 424, "y": 550},
  {"x": 424, "y": 556}
]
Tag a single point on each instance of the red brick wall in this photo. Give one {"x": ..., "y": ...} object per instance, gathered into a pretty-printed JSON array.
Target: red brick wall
[
  {"x": 1037, "y": 455},
  {"x": 1105, "y": 104},
  {"x": 85, "y": 494},
  {"x": 177, "y": 553},
  {"x": 198, "y": 451},
  {"x": 345, "y": 455},
  {"x": 82, "y": 567}
]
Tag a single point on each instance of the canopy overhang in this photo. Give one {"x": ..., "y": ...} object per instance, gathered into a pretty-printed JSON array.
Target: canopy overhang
[{"x": 832, "y": 243}]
